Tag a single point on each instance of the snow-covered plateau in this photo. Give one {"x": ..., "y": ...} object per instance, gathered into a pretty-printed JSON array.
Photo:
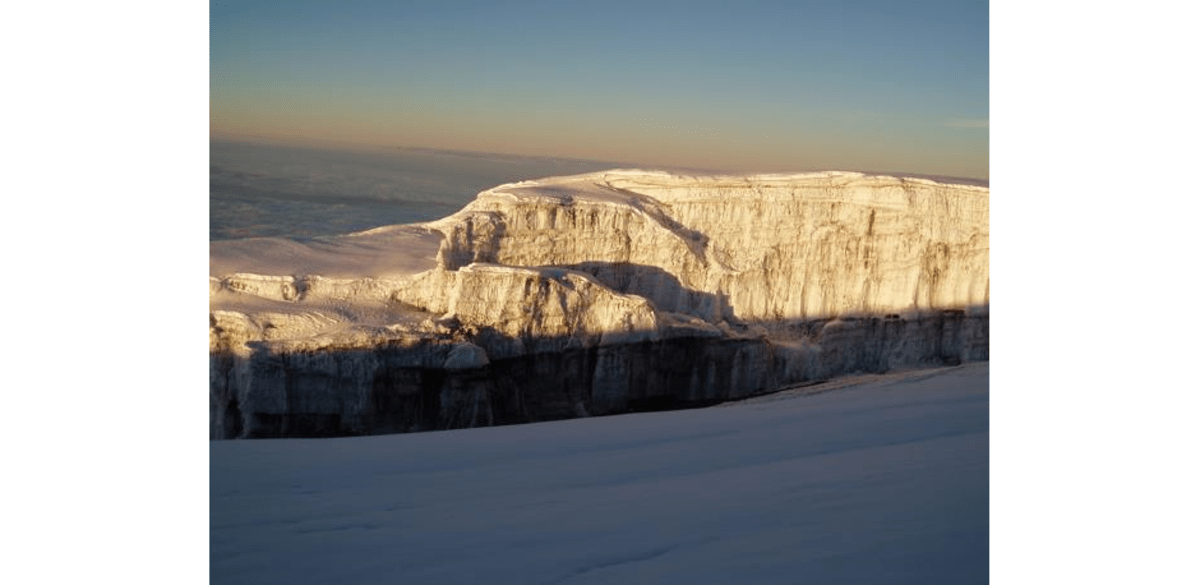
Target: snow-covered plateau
[{"x": 600, "y": 293}]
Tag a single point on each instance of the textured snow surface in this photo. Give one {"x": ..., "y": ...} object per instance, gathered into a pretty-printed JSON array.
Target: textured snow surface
[{"x": 884, "y": 482}]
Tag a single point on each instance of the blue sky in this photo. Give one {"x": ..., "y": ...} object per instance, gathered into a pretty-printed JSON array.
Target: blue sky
[{"x": 860, "y": 85}]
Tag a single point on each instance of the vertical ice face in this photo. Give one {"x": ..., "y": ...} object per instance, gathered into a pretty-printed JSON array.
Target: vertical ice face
[
  {"x": 597, "y": 293},
  {"x": 754, "y": 248}
]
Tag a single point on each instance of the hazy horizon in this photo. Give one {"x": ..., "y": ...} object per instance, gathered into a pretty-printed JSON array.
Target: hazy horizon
[
  {"x": 755, "y": 87},
  {"x": 351, "y": 147},
  {"x": 258, "y": 189}
]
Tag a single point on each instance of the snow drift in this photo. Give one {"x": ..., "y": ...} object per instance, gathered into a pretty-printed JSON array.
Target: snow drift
[{"x": 593, "y": 294}]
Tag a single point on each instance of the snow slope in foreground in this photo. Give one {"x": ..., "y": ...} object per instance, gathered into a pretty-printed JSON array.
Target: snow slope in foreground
[{"x": 885, "y": 482}]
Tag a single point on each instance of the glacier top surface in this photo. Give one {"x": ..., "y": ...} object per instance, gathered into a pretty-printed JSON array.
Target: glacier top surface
[
  {"x": 622, "y": 185},
  {"x": 389, "y": 251}
]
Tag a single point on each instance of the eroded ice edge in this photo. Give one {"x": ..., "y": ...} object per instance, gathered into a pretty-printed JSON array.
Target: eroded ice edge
[{"x": 600, "y": 293}]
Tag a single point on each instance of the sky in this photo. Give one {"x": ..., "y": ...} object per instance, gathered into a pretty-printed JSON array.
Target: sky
[{"x": 741, "y": 86}]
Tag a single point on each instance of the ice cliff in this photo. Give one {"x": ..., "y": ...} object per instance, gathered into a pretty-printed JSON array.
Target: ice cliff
[{"x": 593, "y": 294}]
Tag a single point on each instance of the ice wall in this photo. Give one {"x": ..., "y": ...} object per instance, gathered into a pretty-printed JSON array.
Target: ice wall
[
  {"x": 775, "y": 247},
  {"x": 597, "y": 293}
]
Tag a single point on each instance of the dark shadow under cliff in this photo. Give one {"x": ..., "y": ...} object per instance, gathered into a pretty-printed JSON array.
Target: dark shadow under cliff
[{"x": 376, "y": 391}]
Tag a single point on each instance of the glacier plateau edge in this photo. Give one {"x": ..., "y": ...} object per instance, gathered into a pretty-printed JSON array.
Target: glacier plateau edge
[{"x": 593, "y": 294}]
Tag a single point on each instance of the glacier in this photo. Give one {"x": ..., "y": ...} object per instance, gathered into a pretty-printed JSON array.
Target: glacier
[{"x": 592, "y": 294}]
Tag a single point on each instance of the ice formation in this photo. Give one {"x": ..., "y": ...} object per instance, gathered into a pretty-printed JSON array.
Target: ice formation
[{"x": 592, "y": 294}]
